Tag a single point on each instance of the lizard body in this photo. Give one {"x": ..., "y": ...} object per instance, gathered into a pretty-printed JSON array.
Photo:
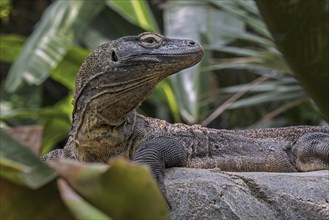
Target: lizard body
[{"x": 118, "y": 76}]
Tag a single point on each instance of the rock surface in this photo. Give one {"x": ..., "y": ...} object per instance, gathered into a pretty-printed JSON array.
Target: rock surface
[{"x": 212, "y": 194}]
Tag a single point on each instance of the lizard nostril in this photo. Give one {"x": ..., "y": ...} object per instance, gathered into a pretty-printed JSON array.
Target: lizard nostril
[
  {"x": 191, "y": 43},
  {"x": 114, "y": 57}
]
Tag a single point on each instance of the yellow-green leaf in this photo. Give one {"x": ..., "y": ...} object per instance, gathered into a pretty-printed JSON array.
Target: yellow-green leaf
[
  {"x": 121, "y": 191},
  {"x": 79, "y": 207},
  {"x": 19, "y": 202},
  {"x": 137, "y": 12},
  {"x": 21, "y": 166},
  {"x": 10, "y": 47}
]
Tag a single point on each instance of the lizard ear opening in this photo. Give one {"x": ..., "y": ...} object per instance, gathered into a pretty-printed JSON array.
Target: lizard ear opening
[{"x": 114, "y": 57}]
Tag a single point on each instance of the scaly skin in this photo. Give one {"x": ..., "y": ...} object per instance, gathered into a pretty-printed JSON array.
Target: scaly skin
[{"x": 118, "y": 76}]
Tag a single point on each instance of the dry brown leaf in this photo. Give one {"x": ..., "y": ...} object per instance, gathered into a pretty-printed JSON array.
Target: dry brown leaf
[{"x": 30, "y": 136}]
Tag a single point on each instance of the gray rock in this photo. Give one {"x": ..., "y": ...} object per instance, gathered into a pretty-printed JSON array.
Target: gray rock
[{"x": 212, "y": 194}]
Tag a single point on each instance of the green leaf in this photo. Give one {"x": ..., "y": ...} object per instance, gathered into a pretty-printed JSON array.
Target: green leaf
[
  {"x": 19, "y": 202},
  {"x": 5, "y": 9},
  {"x": 217, "y": 21},
  {"x": 273, "y": 85},
  {"x": 265, "y": 98},
  {"x": 235, "y": 64},
  {"x": 60, "y": 25},
  {"x": 230, "y": 32},
  {"x": 66, "y": 70},
  {"x": 123, "y": 191},
  {"x": 305, "y": 48},
  {"x": 186, "y": 84},
  {"x": 246, "y": 12},
  {"x": 162, "y": 97},
  {"x": 234, "y": 50},
  {"x": 169, "y": 93},
  {"x": 108, "y": 25},
  {"x": 21, "y": 166},
  {"x": 10, "y": 47},
  {"x": 79, "y": 207},
  {"x": 264, "y": 59},
  {"x": 55, "y": 130},
  {"x": 208, "y": 27},
  {"x": 249, "y": 6},
  {"x": 56, "y": 123},
  {"x": 137, "y": 12},
  {"x": 56, "y": 120}
]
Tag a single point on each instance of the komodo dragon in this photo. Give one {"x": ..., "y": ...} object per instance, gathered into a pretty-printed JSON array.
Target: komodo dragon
[{"x": 119, "y": 75}]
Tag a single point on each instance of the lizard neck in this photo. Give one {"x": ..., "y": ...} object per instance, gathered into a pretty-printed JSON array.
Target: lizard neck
[
  {"x": 97, "y": 141},
  {"x": 104, "y": 115}
]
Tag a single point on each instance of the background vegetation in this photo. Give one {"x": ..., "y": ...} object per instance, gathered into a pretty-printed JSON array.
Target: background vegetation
[{"x": 243, "y": 81}]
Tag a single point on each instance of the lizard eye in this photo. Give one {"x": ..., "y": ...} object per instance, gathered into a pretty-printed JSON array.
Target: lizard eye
[
  {"x": 114, "y": 57},
  {"x": 150, "y": 40}
]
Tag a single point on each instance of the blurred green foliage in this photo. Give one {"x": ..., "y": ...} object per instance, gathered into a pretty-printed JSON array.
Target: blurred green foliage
[
  {"x": 309, "y": 36},
  {"x": 90, "y": 191},
  {"x": 243, "y": 81},
  {"x": 5, "y": 8}
]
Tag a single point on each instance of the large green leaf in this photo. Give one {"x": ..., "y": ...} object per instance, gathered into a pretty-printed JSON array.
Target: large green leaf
[
  {"x": 300, "y": 29},
  {"x": 21, "y": 166},
  {"x": 61, "y": 24},
  {"x": 121, "y": 191},
  {"x": 27, "y": 191},
  {"x": 19, "y": 202},
  {"x": 108, "y": 25},
  {"x": 66, "y": 70},
  {"x": 137, "y": 12},
  {"x": 28, "y": 188},
  {"x": 79, "y": 207}
]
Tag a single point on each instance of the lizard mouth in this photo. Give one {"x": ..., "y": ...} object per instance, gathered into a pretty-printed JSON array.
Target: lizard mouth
[{"x": 159, "y": 57}]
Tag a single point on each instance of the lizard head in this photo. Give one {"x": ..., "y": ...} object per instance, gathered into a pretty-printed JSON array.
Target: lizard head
[
  {"x": 154, "y": 54},
  {"x": 119, "y": 75}
]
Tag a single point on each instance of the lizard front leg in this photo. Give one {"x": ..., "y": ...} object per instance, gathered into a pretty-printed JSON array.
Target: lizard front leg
[
  {"x": 310, "y": 152},
  {"x": 160, "y": 153},
  {"x": 58, "y": 154},
  {"x": 65, "y": 153}
]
